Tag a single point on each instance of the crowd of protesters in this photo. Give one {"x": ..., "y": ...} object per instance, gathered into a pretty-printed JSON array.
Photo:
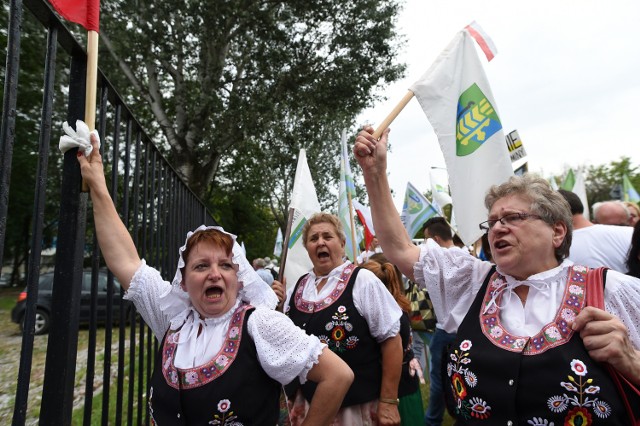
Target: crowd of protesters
[{"x": 530, "y": 310}]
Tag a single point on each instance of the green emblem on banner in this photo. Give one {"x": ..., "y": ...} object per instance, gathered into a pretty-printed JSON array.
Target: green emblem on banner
[
  {"x": 413, "y": 203},
  {"x": 477, "y": 121}
]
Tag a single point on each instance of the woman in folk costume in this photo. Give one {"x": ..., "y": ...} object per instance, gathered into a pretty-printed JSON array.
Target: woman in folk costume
[
  {"x": 529, "y": 349},
  {"x": 224, "y": 352},
  {"x": 351, "y": 311}
]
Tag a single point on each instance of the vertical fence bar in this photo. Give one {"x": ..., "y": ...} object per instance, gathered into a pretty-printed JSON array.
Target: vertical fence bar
[
  {"x": 33, "y": 272},
  {"x": 108, "y": 333},
  {"x": 142, "y": 383},
  {"x": 153, "y": 244},
  {"x": 163, "y": 223},
  {"x": 57, "y": 391},
  {"x": 135, "y": 209},
  {"x": 125, "y": 219},
  {"x": 8, "y": 126},
  {"x": 95, "y": 267}
]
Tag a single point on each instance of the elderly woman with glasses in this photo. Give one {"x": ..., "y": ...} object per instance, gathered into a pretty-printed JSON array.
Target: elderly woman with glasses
[{"x": 528, "y": 350}]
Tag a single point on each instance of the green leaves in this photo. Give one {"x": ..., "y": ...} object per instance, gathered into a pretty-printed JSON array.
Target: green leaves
[{"x": 240, "y": 86}]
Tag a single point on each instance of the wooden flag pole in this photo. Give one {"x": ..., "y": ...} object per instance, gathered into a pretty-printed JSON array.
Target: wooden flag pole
[
  {"x": 392, "y": 116},
  {"x": 92, "y": 80},
  {"x": 285, "y": 245},
  {"x": 91, "y": 86}
]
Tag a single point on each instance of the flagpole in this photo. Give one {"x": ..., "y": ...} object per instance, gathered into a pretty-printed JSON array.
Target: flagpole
[
  {"x": 393, "y": 114},
  {"x": 91, "y": 86},
  {"x": 353, "y": 230},
  {"x": 285, "y": 245}
]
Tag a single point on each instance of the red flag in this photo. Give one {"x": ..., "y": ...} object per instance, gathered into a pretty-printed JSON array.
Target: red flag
[
  {"x": 364, "y": 214},
  {"x": 83, "y": 12}
]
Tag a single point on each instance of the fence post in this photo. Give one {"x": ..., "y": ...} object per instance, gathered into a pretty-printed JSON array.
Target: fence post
[
  {"x": 8, "y": 126},
  {"x": 59, "y": 377}
]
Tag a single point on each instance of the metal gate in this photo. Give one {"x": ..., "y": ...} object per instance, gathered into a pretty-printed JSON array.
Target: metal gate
[{"x": 153, "y": 202}]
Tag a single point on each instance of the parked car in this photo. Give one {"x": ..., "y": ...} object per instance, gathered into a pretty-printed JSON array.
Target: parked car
[{"x": 43, "y": 304}]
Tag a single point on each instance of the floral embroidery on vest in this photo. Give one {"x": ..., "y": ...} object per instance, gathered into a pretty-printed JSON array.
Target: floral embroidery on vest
[
  {"x": 224, "y": 416},
  {"x": 556, "y": 333},
  {"x": 582, "y": 398},
  {"x": 306, "y": 306},
  {"x": 338, "y": 327},
  {"x": 460, "y": 377},
  {"x": 194, "y": 377}
]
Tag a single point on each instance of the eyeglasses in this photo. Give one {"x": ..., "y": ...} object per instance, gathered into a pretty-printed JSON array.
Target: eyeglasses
[{"x": 511, "y": 219}]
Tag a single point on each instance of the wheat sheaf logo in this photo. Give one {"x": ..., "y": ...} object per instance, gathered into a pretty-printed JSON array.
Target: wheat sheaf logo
[{"x": 477, "y": 121}]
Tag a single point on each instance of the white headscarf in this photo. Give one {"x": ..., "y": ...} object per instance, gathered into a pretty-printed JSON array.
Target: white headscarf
[{"x": 253, "y": 289}]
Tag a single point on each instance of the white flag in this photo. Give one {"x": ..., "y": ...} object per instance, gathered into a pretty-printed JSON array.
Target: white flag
[
  {"x": 455, "y": 95},
  {"x": 439, "y": 191},
  {"x": 415, "y": 210},
  {"x": 277, "y": 248},
  {"x": 304, "y": 200},
  {"x": 346, "y": 192},
  {"x": 580, "y": 189},
  {"x": 574, "y": 182}
]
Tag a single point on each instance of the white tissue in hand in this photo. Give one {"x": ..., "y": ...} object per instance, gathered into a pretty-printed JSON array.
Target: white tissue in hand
[{"x": 79, "y": 138}]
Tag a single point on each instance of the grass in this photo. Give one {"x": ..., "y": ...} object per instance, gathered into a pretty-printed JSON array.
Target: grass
[
  {"x": 96, "y": 405},
  {"x": 424, "y": 390},
  {"x": 8, "y": 298},
  {"x": 11, "y": 338}
]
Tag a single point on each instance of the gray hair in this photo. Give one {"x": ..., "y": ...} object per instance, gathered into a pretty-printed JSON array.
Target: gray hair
[
  {"x": 545, "y": 202},
  {"x": 323, "y": 218},
  {"x": 596, "y": 208}
]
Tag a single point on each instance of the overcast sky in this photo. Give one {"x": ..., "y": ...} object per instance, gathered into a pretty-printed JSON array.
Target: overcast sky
[{"x": 566, "y": 76}]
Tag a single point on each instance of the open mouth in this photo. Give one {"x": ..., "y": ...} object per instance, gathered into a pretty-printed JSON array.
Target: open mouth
[
  {"x": 323, "y": 255},
  {"x": 213, "y": 293}
]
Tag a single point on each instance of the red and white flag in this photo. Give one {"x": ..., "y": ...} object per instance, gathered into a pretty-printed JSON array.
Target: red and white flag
[
  {"x": 365, "y": 218},
  {"x": 455, "y": 95}
]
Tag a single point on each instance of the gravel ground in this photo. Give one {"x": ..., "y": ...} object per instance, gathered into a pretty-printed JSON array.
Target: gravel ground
[{"x": 10, "y": 348}]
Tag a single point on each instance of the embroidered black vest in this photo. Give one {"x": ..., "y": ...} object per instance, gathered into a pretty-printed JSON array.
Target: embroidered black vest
[
  {"x": 232, "y": 387},
  {"x": 337, "y": 323},
  {"x": 500, "y": 378},
  {"x": 408, "y": 384}
]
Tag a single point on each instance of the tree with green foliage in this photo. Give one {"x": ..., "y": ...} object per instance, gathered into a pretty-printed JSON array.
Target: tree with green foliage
[
  {"x": 235, "y": 89},
  {"x": 602, "y": 180},
  {"x": 25, "y": 154}
]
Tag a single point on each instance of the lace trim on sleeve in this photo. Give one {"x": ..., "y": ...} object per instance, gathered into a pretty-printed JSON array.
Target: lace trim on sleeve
[
  {"x": 154, "y": 299},
  {"x": 622, "y": 299},
  {"x": 418, "y": 272},
  {"x": 452, "y": 277},
  {"x": 285, "y": 351}
]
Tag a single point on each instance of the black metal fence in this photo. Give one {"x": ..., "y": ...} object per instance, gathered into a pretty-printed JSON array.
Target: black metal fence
[{"x": 154, "y": 203}]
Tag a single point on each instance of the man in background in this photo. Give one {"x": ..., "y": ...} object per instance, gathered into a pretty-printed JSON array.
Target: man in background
[
  {"x": 259, "y": 264},
  {"x": 595, "y": 245},
  {"x": 438, "y": 230},
  {"x": 611, "y": 213}
]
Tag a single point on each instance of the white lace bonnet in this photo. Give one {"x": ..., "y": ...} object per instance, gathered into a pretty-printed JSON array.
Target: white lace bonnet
[{"x": 253, "y": 289}]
